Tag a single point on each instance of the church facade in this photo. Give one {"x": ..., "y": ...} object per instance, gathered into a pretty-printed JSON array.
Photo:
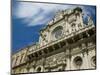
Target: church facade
[{"x": 65, "y": 44}]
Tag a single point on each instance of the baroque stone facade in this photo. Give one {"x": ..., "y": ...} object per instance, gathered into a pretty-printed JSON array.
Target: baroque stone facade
[{"x": 66, "y": 43}]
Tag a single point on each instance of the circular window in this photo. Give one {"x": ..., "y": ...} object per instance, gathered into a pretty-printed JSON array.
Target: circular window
[
  {"x": 93, "y": 61},
  {"x": 39, "y": 69},
  {"x": 57, "y": 32},
  {"x": 78, "y": 61}
]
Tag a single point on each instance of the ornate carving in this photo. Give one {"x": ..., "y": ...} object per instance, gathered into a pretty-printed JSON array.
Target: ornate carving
[{"x": 55, "y": 59}]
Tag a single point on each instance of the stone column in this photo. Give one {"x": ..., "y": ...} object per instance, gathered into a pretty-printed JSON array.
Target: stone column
[
  {"x": 68, "y": 59},
  {"x": 85, "y": 61}
]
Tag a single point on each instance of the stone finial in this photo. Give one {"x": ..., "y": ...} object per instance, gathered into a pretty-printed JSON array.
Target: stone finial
[{"x": 90, "y": 21}]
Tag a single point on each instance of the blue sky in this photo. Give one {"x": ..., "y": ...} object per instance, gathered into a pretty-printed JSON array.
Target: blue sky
[{"x": 28, "y": 18}]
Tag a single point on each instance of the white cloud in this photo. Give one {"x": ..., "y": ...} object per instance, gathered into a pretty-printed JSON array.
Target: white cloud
[{"x": 38, "y": 13}]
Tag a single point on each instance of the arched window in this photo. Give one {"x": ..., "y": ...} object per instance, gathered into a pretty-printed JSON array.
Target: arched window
[
  {"x": 61, "y": 69},
  {"x": 39, "y": 69}
]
